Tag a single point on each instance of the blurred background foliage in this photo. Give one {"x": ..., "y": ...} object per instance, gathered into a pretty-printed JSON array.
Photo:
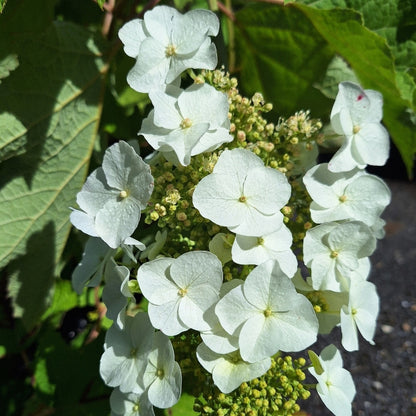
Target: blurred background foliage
[{"x": 64, "y": 99}]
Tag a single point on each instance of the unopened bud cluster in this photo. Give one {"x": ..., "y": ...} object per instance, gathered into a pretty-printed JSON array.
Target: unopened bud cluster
[{"x": 276, "y": 393}]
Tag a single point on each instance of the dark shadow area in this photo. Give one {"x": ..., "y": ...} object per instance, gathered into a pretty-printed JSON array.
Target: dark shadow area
[{"x": 32, "y": 276}]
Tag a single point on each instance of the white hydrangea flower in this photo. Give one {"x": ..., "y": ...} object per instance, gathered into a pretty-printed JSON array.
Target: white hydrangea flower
[
  {"x": 180, "y": 290},
  {"x": 335, "y": 384},
  {"x": 333, "y": 250},
  {"x": 361, "y": 312},
  {"x": 113, "y": 196},
  {"x": 230, "y": 370},
  {"x": 126, "y": 353},
  {"x": 90, "y": 269},
  {"x": 353, "y": 195},
  {"x": 130, "y": 404},
  {"x": 163, "y": 377},
  {"x": 242, "y": 194},
  {"x": 187, "y": 122},
  {"x": 216, "y": 338},
  {"x": 116, "y": 291},
  {"x": 166, "y": 43},
  {"x": 275, "y": 245},
  {"x": 269, "y": 314},
  {"x": 357, "y": 115}
]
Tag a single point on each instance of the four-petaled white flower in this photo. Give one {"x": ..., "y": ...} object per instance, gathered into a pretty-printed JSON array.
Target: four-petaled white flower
[
  {"x": 275, "y": 245},
  {"x": 113, "y": 196},
  {"x": 230, "y": 370},
  {"x": 361, "y": 312},
  {"x": 180, "y": 290},
  {"x": 352, "y": 195},
  {"x": 187, "y": 122},
  {"x": 333, "y": 251},
  {"x": 126, "y": 353},
  {"x": 335, "y": 385},
  {"x": 357, "y": 115},
  {"x": 269, "y": 314},
  {"x": 166, "y": 43},
  {"x": 242, "y": 194},
  {"x": 131, "y": 404},
  {"x": 163, "y": 377}
]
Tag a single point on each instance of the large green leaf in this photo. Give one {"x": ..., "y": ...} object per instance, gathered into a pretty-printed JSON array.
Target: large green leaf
[
  {"x": 50, "y": 107},
  {"x": 372, "y": 61},
  {"x": 285, "y": 51},
  {"x": 395, "y": 20},
  {"x": 281, "y": 54}
]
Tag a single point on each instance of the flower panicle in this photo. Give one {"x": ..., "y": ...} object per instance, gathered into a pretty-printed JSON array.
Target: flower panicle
[{"x": 275, "y": 393}]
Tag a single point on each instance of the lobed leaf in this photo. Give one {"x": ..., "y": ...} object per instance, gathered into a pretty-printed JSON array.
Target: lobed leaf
[
  {"x": 282, "y": 55},
  {"x": 50, "y": 106},
  {"x": 285, "y": 51}
]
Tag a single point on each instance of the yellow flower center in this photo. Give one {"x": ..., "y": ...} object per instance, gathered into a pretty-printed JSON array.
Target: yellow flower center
[
  {"x": 267, "y": 312},
  {"x": 123, "y": 194},
  {"x": 186, "y": 123},
  {"x": 334, "y": 254},
  {"x": 242, "y": 198},
  {"x": 182, "y": 292},
  {"x": 170, "y": 50},
  {"x": 356, "y": 129},
  {"x": 160, "y": 373},
  {"x": 342, "y": 198}
]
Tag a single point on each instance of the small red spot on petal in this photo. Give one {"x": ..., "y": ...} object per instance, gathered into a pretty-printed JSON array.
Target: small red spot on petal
[{"x": 360, "y": 97}]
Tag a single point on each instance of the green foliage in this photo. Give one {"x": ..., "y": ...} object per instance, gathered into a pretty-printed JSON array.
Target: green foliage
[
  {"x": 63, "y": 85},
  {"x": 101, "y": 4},
  {"x": 2, "y": 5},
  {"x": 285, "y": 51},
  {"x": 51, "y": 105},
  {"x": 282, "y": 55},
  {"x": 373, "y": 63}
]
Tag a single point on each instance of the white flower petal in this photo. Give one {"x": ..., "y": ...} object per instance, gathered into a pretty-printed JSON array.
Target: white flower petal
[
  {"x": 132, "y": 35},
  {"x": 166, "y": 318}
]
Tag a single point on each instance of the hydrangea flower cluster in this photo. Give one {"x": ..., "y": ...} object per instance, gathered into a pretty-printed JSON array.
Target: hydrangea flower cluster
[{"x": 232, "y": 196}]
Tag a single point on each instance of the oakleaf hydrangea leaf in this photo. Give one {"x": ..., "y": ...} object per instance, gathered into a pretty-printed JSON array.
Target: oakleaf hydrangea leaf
[{"x": 55, "y": 109}]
